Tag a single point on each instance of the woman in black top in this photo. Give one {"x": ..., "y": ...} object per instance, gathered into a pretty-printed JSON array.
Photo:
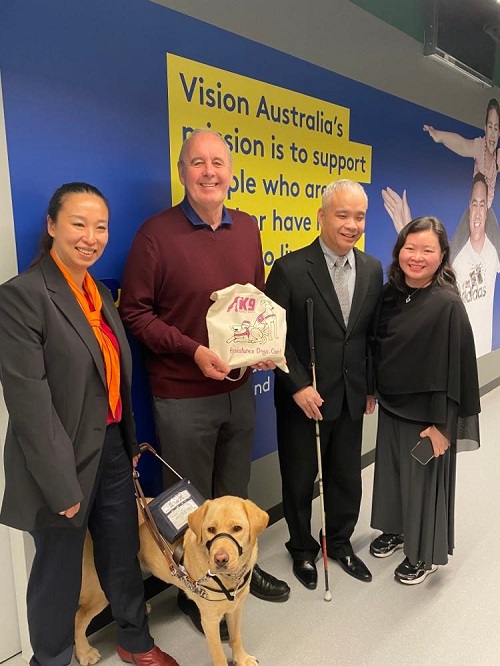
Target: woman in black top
[{"x": 427, "y": 386}]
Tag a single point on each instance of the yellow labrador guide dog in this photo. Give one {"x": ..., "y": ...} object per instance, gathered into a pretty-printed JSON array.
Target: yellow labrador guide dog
[{"x": 220, "y": 549}]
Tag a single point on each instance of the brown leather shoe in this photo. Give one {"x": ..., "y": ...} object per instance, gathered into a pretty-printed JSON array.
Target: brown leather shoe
[{"x": 155, "y": 657}]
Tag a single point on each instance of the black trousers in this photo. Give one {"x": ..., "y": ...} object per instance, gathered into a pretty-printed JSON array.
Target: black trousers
[
  {"x": 341, "y": 463},
  {"x": 55, "y": 579}
]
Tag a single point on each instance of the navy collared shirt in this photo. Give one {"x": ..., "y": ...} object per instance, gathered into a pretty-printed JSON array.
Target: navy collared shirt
[{"x": 195, "y": 219}]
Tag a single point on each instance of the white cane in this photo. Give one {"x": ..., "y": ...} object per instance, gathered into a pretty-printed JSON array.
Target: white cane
[{"x": 312, "y": 351}]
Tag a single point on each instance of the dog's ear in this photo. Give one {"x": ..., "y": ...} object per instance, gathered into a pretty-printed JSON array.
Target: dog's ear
[
  {"x": 196, "y": 519},
  {"x": 257, "y": 518}
]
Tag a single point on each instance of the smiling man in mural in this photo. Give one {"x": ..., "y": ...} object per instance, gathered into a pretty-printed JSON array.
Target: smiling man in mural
[{"x": 476, "y": 266}]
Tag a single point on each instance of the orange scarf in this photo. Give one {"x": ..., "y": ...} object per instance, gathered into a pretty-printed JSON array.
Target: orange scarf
[{"x": 109, "y": 353}]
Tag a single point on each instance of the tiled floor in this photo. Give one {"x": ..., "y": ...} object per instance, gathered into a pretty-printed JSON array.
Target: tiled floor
[{"x": 453, "y": 619}]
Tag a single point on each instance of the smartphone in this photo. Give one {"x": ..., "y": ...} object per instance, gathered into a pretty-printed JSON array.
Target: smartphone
[{"x": 423, "y": 451}]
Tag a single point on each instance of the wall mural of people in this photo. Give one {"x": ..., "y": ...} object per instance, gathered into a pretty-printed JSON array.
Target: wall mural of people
[{"x": 475, "y": 244}]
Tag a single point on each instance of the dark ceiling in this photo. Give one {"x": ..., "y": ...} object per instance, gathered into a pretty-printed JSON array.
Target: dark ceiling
[
  {"x": 469, "y": 29},
  {"x": 466, "y": 30}
]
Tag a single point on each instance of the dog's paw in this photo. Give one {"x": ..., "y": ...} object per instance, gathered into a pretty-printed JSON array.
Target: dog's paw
[
  {"x": 88, "y": 657},
  {"x": 246, "y": 660}
]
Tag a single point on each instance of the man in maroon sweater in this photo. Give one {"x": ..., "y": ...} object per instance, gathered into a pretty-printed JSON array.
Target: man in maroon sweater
[{"x": 205, "y": 425}]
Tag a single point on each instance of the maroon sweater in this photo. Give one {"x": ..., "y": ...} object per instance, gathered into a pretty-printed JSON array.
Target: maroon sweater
[{"x": 172, "y": 269}]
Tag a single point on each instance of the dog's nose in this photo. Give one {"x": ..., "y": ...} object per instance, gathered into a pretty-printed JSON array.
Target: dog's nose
[{"x": 221, "y": 557}]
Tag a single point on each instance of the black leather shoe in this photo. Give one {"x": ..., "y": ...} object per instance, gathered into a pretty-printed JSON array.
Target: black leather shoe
[
  {"x": 355, "y": 567},
  {"x": 267, "y": 587},
  {"x": 306, "y": 572},
  {"x": 189, "y": 608}
]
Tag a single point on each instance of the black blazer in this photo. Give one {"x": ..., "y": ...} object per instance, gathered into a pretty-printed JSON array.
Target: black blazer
[
  {"x": 54, "y": 384},
  {"x": 343, "y": 358}
]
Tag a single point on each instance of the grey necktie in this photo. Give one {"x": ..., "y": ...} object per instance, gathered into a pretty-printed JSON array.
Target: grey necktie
[{"x": 340, "y": 284}]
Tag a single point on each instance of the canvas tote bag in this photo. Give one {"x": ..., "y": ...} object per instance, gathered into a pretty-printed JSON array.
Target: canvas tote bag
[{"x": 245, "y": 327}]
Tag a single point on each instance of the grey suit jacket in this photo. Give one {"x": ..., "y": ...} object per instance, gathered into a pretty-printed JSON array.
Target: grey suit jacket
[
  {"x": 343, "y": 363},
  {"x": 54, "y": 384}
]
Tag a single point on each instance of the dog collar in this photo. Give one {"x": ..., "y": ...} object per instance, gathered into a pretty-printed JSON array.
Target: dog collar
[
  {"x": 224, "y": 535},
  {"x": 199, "y": 586}
]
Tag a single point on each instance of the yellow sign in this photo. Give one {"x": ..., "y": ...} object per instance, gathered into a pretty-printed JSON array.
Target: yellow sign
[{"x": 286, "y": 147}]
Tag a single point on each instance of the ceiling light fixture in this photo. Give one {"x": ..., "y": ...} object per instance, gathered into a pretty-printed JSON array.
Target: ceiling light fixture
[{"x": 452, "y": 63}]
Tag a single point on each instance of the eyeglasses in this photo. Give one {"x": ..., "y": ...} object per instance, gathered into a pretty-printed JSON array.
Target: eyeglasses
[{"x": 198, "y": 163}]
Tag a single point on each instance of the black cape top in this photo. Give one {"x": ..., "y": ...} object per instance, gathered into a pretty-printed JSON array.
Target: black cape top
[{"x": 425, "y": 361}]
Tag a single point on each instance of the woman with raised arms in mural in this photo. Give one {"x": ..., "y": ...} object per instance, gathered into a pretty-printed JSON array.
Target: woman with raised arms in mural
[
  {"x": 485, "y": 152},
  {"x": 483, "y": 149}
]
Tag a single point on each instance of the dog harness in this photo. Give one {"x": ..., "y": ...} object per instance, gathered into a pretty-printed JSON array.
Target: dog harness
[{"x": 175, "y": 557}]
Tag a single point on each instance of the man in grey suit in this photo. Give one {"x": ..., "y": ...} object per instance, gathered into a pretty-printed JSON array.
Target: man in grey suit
[{"x": 345, "y": 286}]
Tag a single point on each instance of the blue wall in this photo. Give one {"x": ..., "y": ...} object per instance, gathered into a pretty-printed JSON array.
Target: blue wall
[{"x": 85, "y": 97}]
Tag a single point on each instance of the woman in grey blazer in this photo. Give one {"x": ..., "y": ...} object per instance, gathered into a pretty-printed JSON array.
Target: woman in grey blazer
[{"x": 65, "y": 367}]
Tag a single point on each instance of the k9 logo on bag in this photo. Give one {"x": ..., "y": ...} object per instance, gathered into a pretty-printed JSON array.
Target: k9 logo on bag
[
  {"x": 259, "y": 329},
  {"x": 245, "y": 327},
  {"x": 242, "y": 304}
]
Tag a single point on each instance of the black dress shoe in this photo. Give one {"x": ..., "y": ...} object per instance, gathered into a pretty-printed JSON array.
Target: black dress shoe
[
  {"x": 189, "y": 608},
  {"x": 267, "y": 587},
  {"x": 306, "y": 572},
  {"x": 355, "y": 567}
]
